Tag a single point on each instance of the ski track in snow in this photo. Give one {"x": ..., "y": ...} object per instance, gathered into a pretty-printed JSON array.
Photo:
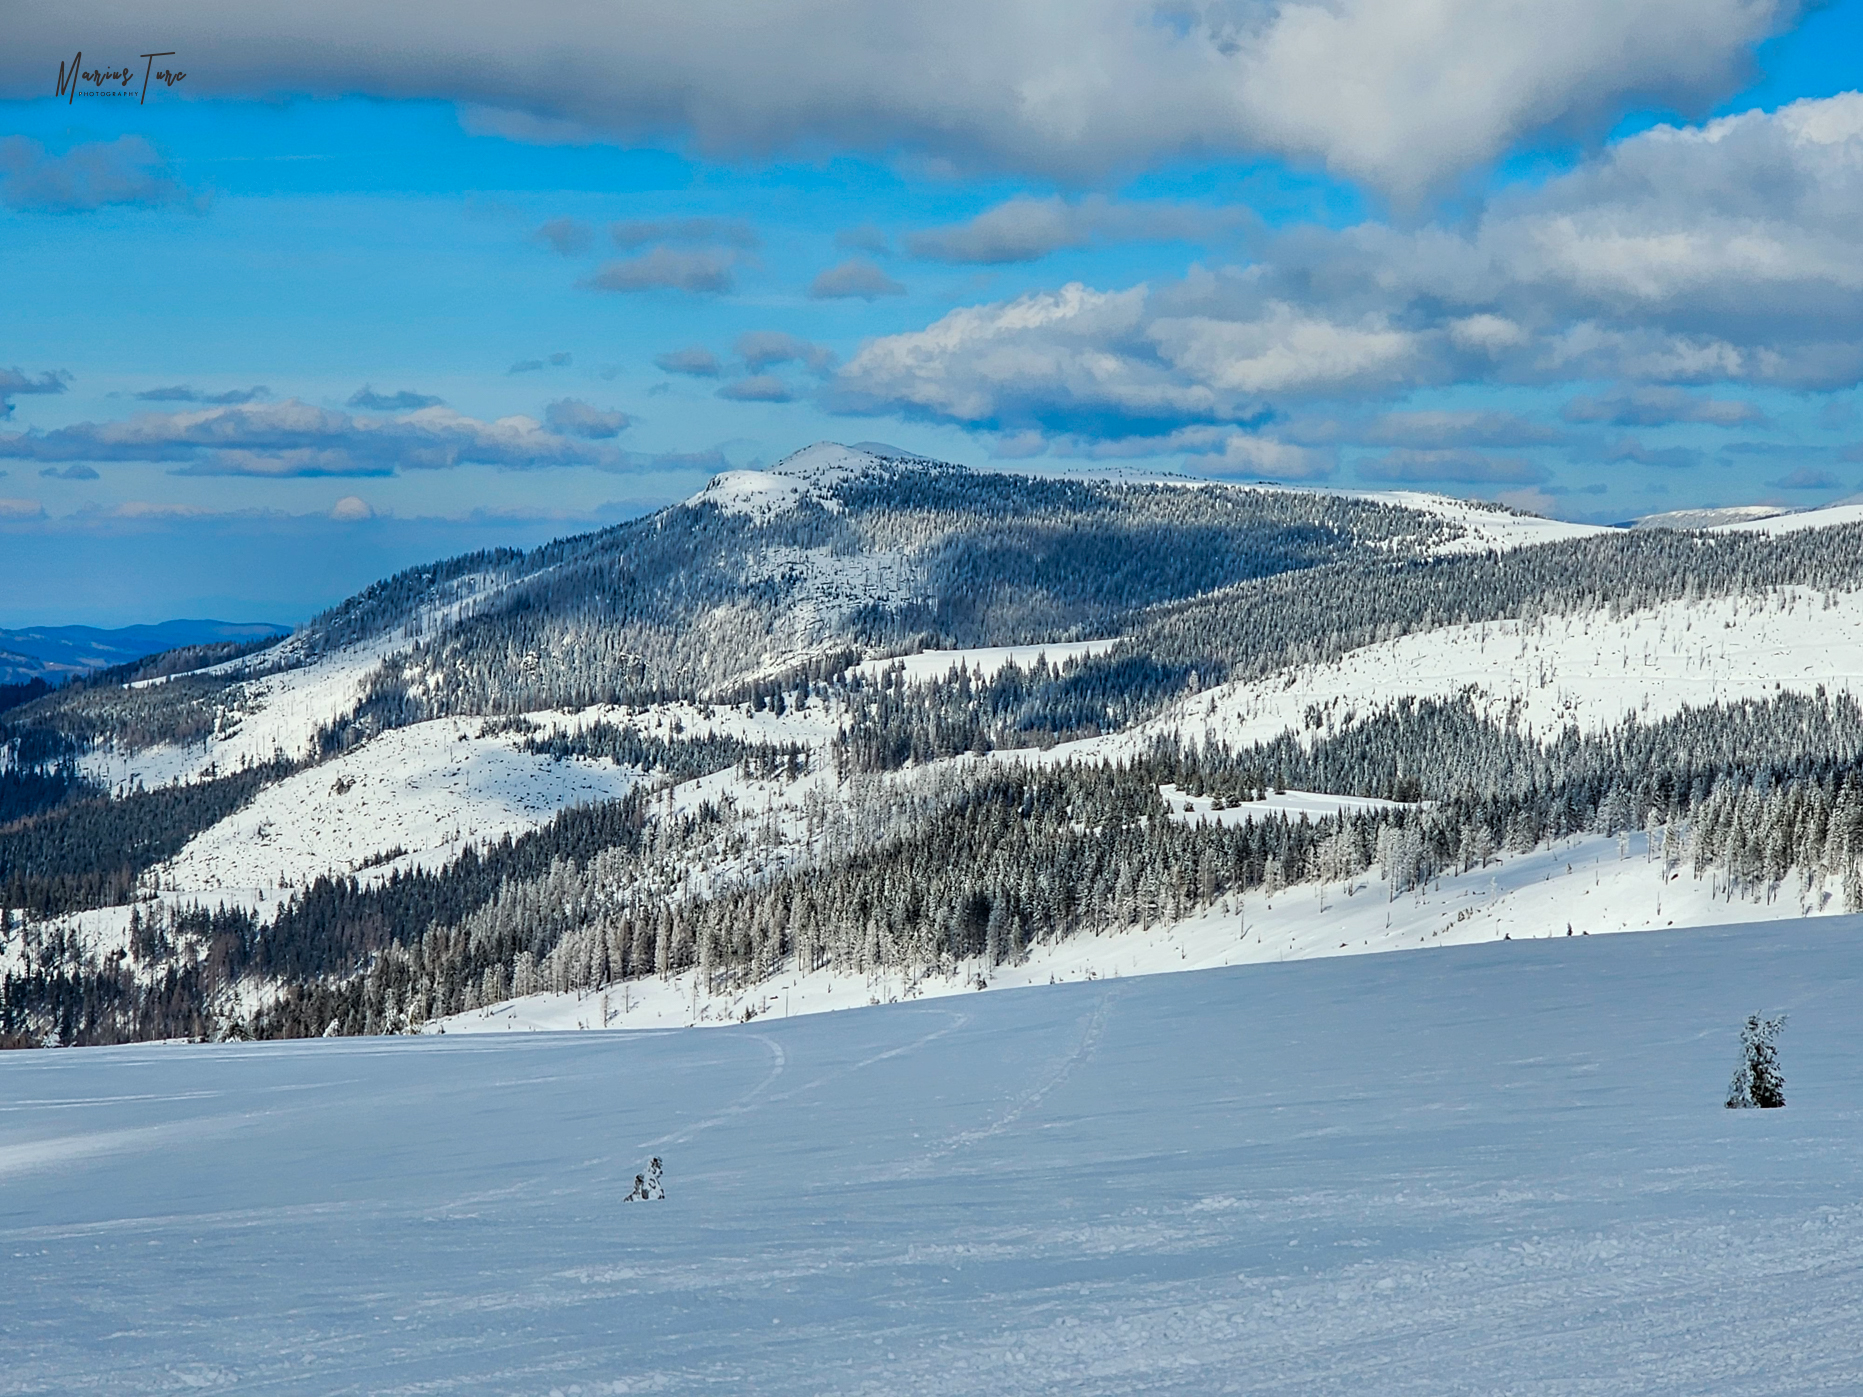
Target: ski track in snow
[{"x": 1501, "y": 1169}]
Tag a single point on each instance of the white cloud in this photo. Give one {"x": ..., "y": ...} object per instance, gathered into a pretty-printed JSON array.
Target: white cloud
[
  {"x": 90, "y": 176},
  {"x": 1437, "y": 429},
  {"x": 16, "y": 381},
  {"x": 365, "y": 397},
  {"x": 696, "y": 360},
  {"x": 1025, "y": 228},
  {"x": 1491, "y": 334},
  {"x": 1266, "y": 458},
  {"x": 1400, "y": 92},
  {"x": 1459, "y": 467},
  {"x": 1727, "y": 253},
  {"x": 1662, "y": 407},
  {"x": 1071, "y": 359},
  {"x": 294, "y": 438},
  {"x": 701, "y": 272},
  {"x": 1287, "y": 350},
  {"x": 575, "y": 418},
  {"x": 856, "y": 277},
  {"x": 760, "y": 349}
]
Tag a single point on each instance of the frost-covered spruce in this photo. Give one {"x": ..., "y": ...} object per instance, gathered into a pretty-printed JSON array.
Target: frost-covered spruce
[{"x": 1758, "y": 1080}]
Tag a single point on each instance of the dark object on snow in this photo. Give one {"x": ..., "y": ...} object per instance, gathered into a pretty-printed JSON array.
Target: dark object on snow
[
  {"x": 647, "y": 1187},
  {"x": 1758, "y": 1082}
]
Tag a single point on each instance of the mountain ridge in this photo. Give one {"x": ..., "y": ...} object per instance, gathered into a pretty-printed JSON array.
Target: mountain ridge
[{"x": 876, "y": 720}]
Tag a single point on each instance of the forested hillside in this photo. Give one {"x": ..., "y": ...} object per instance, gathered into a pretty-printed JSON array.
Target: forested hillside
[{"x": 679, "y": 752}]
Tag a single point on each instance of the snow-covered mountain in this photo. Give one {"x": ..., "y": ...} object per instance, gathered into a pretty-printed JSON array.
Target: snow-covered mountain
[{"x": 864, "y": 726}]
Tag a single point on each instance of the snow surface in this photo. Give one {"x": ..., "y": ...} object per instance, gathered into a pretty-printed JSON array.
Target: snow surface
[
  {"x": 804, "y": 474},
  {"x": 276, "y": 715},
  {"x": 431, "y": 789},
  {"x": 1496, "y": 1169},
  {"x": 754, "y": 493},
  {"x": 428, "y": 790},
  {"x": 1485, "y": 529},
  {"x": 1588, "y": 670},
  {"x": 1829, "y": 517}
]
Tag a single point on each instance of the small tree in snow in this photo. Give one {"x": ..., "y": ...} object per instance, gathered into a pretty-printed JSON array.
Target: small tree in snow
[
  {"x": 648, "y": 1187},
  {"x": 1758, "y": 1081}
]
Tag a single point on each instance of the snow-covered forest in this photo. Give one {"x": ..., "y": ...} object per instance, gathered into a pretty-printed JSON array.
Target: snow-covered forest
[{"x": 898, "y": 727}]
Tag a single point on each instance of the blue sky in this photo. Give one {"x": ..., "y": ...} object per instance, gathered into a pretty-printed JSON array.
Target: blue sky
[{"x": 310, "y": 315}]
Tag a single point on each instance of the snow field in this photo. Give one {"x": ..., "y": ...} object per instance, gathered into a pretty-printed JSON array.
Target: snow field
[
  {"x": 1484, "y": 530},
  {"x": 1793, "y": 521},
  {"x": 428, "y": 790},
  {"x": 1587, "y": 670},
  {"x": 1500, "y": 1169},
  {"x": 432, "y": 789},
  {"x": 280, "y": 714}
]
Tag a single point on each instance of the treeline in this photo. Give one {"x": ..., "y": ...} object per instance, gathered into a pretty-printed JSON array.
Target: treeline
[
  {"x": 93, "y": 852},
  {"x": 1024, "y": 856},
  {"x": 977, "y": 864},
  {"x": 1251, "y": 630},
  {"x": 13, "y": 695},
  {"x": 676, "y": 758}
]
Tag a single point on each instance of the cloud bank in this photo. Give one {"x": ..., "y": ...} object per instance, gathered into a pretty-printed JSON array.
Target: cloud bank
[
  {"x": 1679, "y": 260},
  {"x": 1401, "y": 93},
  {"x": 295, "y": 439}
]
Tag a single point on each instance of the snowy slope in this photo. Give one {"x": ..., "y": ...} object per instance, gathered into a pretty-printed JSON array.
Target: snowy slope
[
  {"x": 1499, "y": 1169},
  {"x": 275, "y": 715},
  {"x": 1485, "y": 528},
  {"x": 1593, "y": 886},
  {"x": 427, "y": 790},
  {"x": 283, "y": 695},
  {"x": 433, "y": 788},
  {"x": 1831, "y": 516},
  {"x": 1589, "y": 670},
  {"x": 805, "y": 474}
]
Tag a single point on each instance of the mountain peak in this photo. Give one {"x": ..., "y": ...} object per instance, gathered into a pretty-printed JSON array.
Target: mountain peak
[{"x": 813, "y": 472}]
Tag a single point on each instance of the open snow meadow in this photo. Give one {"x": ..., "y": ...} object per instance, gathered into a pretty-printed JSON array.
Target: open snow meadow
[{"x": 1497, "y": 1168}]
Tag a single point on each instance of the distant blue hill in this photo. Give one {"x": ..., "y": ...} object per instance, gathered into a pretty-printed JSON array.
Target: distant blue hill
[{"x": 57, "y": 653}]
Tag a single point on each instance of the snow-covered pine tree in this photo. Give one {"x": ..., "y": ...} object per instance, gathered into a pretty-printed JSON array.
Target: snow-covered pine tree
[
  {"x": 1758, "y": 1080},
  {"x": 649, "y": 1187}
]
